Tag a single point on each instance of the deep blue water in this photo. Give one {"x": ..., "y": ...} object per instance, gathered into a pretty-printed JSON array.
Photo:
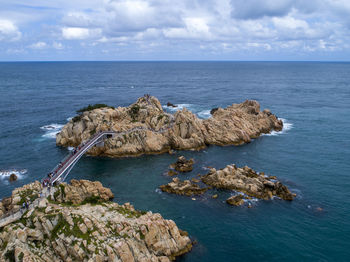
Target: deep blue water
[{"x": 312, "y": 157}]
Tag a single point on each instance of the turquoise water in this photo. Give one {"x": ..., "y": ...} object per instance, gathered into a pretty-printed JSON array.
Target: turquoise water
[{"x": 311, "y": 156}]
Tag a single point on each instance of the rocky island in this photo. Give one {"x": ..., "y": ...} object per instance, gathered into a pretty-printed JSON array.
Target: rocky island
[
  {"x": 244, "y": 181},
  {"x": 78, "y": 222},
  {"x": 145, "y": 128}
]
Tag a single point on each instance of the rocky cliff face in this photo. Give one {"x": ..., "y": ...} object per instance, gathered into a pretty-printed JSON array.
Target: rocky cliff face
[
  {"x": 78, "y": 223},
  {"x": 155, "y": 131}
]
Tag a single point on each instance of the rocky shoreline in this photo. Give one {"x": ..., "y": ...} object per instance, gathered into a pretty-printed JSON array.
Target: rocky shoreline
[
  {"x": 78, "y": 222},
  {"x": 144, "y": 128}
]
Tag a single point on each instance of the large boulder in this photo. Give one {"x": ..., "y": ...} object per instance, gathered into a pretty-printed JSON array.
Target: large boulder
[{"x": 183, "y": 165}]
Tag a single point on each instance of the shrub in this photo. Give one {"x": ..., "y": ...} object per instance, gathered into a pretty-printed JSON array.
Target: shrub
[{"x": 92, "y": 107}]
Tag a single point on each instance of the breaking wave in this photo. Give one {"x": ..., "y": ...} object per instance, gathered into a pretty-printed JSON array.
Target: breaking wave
[
  {"x": 51, "y": 130},
  {"x": 5, "y": 174},
  {"x": 286, "y": 127}
]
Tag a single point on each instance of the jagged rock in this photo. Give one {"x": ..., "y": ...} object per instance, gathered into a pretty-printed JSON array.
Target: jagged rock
[
  {"x": 144, "y": 128},
  {"x": 213, "y": 110},
  {"x": 97, "y": 231},
  {"x": 13, "y": 177},
  {"x": 79, "y": 190},
  {"x": 235, "y": 200},
  {"x": 183, "y": 165},
  {"x": 28, "y": 192},
  {"x": 170, "y": 105},
  {"x": 182, "y": 188},
  {"x": 248, "y": 181}
]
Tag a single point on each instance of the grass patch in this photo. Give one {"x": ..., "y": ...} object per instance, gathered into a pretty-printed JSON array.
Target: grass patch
[
  {"x": 92, "y": 107},
  {"x": 134, "y": 111}
]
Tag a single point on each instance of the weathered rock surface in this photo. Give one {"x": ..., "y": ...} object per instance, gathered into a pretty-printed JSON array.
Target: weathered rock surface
[
  {"x": 235, "y": 200},
  {"x": 183, "y": 165},
  {"x": 79, "y": 190},
  {"x": 13, "y": 203},
  {"x": 176, "y": 186},
  {"x": 248, "y": 181},
  {"x": 93, "y": 230},
  {"x": 155, "y": 131}
]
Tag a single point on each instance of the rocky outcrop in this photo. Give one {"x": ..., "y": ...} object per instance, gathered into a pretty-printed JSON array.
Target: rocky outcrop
[
  {"x": 93, "y": 229},
  {"x": 176, "y": 186},
  {"x": 236, "y": 200},
  {"x": 79, "y": 190},
  {"x": 183, "y": 165},
  {"x": 247, "y": 181},
  {"x": 144, "y": 128},
  {"x": 27, "y": 193}
]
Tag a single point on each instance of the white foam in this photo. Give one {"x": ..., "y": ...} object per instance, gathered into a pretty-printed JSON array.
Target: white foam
[
  {"x": 69, "y": 118},
  {"x": 286, "y": 127},
  {"x": 70, "y": 148},
  {"x": 5, "y": 174},
  {"x": 51, "y": 130},
  {"x": 204, "y": 114},
  {"x": 178, "y": 107}
]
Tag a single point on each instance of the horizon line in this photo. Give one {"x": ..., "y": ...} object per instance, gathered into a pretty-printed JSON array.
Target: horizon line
[{"x": 161, "y": 60}]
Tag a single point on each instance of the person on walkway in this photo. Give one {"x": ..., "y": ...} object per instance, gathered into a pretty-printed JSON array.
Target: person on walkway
[
  {"x": 27, "y": 204},
  {"x": 23, "y": 206}
]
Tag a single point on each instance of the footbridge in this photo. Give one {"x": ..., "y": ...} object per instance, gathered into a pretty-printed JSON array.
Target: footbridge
[{"x": 62, "y": 170}]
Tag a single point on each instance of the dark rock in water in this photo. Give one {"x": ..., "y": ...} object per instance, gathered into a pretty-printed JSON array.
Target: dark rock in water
[
  {"x": 214, "y": 110},
  {"x": 183, "y": 165},
  {"x": 172, "y": 173},
  {"x": 182, "y": 188},
  {"x": 13, "y": 177},
  {"x": 235, "y": 200},
  {"x": 170, "y": 105}
]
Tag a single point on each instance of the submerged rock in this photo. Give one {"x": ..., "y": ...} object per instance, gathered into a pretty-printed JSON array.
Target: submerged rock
[
  {"x": 248, "y": 181},
  {"x": 183, "y": 188},
  {"x": 144, "y": 128},
  {"x": 93, "y": 229},
  {"x": 170, "y": 104},
  {"x": 183, "y": 165}
]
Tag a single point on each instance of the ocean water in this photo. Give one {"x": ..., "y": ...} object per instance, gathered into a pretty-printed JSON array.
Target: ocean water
[{"x": 311, "y": 155}]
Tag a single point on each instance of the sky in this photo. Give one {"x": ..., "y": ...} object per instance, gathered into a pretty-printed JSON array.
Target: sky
[{"x": 248, "y": 30}]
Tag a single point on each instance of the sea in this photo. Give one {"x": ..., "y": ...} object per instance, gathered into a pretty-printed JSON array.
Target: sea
[{"x": 311, "y": 155}]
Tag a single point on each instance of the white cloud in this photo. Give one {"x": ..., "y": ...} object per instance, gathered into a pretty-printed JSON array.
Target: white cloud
[
  {"x": 57, "y": 45},
  {"x": 39, "y": 45},
  {"x": 9, "y": 31},
  {"x": 72, "y": 33}
]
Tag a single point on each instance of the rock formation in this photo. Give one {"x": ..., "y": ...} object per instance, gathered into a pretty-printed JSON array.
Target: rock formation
[
  {"x": 13, "y": 177},
  {"x": 247, "y": 181},
  {"x": 79, "y": 223},
  {"x": 144, "y": 128},
  {"x": 236, "y": 200},
  {"x": 183, "y": 165},
  {"x": 176, "y": 186}
]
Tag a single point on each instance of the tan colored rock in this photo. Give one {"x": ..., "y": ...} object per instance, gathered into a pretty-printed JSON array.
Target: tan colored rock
[
  {"x": 248, "y": 181},
  {"x": 183, "y": 165},
  {"x": 102, "y": 231},
  {"x": 183, "y": 188},
  {"x": 146, "y": 129},
  {"x": 235, "y": 200}
]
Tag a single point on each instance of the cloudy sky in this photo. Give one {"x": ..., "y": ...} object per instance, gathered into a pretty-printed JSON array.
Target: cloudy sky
[{"x": 175, "y": 30}]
